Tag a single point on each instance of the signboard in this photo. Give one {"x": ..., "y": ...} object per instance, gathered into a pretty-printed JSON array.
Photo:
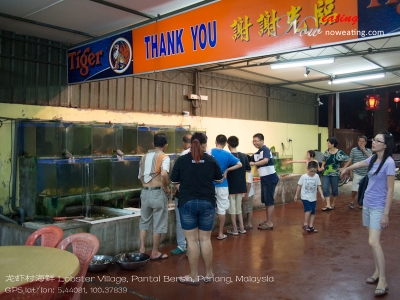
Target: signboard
[{"x": 231, "y": 29}]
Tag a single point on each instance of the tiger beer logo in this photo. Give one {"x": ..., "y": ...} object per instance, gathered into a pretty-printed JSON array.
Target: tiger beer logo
[{"x": 120, "y": 55}]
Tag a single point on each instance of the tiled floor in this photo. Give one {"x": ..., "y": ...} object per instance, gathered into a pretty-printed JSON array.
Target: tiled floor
[{"x": 331, "y": 264}]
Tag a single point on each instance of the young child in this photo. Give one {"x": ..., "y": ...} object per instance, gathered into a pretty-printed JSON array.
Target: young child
[{"x": 309, "y": 183}]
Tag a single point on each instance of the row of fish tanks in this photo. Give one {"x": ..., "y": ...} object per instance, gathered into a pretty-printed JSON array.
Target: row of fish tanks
[
  {"x": 89, "y": 171},
  {"x": 84, "y": 171}
]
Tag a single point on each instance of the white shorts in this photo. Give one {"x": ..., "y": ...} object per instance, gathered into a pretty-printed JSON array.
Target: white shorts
[
  {"x": 356, "y": 181},
  {"x": 222, "y": 195}
]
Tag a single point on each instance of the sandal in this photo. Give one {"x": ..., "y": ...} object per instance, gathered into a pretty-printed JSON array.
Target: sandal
[
  {"x": 351, "y": 205},
  {"x": 372, "y": 280},
  {"x": 248, "y": 227},
  {"x": 262, "y": 223},
  {"x": 313, "y": 230},
  {"x": 265, "y": 227},
  {"x": 327, "y": 208},
  {"x": 306, "y": 228}
]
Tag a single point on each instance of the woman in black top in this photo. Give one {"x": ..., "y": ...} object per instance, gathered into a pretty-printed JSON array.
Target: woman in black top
[{"x": 194, "y": 174}]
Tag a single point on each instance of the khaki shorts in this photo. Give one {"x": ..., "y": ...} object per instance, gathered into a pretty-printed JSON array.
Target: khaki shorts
[
  {"x": 222, "y": 196},
  {"x": 248, "y": 205},
  {"x": 356, "y": 181},
  {"x": 235, "y": 204},
  {"x": 154, "y": 207}
]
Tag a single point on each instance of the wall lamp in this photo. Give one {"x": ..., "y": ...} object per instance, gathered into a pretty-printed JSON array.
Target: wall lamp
[
  {"x": 357, "y": 78},
  {"x": 302, "y": 63},
  {"x": 307, "y": 72}
]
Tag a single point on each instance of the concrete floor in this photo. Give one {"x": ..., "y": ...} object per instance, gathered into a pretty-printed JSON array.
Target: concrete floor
[{"x": 331, "y": 264}]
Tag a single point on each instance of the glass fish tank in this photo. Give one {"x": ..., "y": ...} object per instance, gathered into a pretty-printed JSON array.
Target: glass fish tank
[
  {"x": 145, "y": 139},
  {"x": 70, "y": 177},
  {"x": 101, "y": 175},
  {"x": 46, "y": 177},
  {"x": 78, "y": 139},
  {"x": 179, "y": 134},
  {"x": 103, "y": 139},
  {"x": 281, "y": 166},
  {"x": 129, "y": 140},
  {"x": 125, "y": 173},
  {"x": 40, "y": 139},
  {"x": 170, "y": 133}
]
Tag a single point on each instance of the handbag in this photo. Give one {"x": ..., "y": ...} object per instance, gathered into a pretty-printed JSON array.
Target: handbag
[{"x": 362, "y": 187}]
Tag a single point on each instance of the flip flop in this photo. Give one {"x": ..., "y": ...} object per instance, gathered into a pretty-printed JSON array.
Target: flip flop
[
  {"x": 372, "y": 280},
  {"x": 187, "y": 280},
  {"x": 161, "y": 257},
  {"x": 381, "y": 292},
  {"x": 232, "y": 233},
  {"x": 209, "y": 279},
  {"x": 326, "y": 208},
  {"x": 222, "y": 238}
]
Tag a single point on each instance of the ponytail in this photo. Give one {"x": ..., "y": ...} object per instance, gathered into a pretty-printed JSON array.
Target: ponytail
[{"x": 198, "y": 138}]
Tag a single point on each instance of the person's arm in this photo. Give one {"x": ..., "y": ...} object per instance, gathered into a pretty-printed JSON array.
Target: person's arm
[
  {"x": 260, "y": 163},
  {"x": 297, "y": 191},
  {"x": 361, "y": 164},
  {"x": 322, "y": 166},
  {"x": 322, "y": 194},
  {"x": 164, "y": 181},
  {"x": 364, "y": 150},
  {"x": 237, "y": 166},
  {"x": 348, "y": 163},
  {"x": 389, "y": 199},
  {"x": 296, "y": 161}
]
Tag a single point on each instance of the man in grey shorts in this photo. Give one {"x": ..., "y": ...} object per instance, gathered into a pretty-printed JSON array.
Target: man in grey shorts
[
  {"x": 358, "y": 154},
  {"x": 153, "y": 173}
]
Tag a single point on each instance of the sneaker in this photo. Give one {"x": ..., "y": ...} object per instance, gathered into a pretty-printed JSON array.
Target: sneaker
[
  {"x": 178, "y": 250},
  {"x": 351, "y": 205}
]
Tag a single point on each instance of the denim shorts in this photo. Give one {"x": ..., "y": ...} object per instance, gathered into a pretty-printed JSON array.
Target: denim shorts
[
  {"x": 267, "y": 193},
  {"x": 372, "y": 217},
  {"x": 309, "y": 206},
  {"x": 327, "y": 182},
  {"x": 197, "y": 214}
]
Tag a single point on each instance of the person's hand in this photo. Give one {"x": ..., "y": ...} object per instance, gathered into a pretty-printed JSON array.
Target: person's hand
[
  {"x": 343, "y": 172},
  {"x": 245, "y": 197},
  {"x": 362, "y": 148},
  {"x": 252, "y": 163},
  {"x": 225, "y": 174},
  {"x": 384, "y": 221},
  {"x": 295, "y": 198},
  {"x": 322, "y": 197},
  {"x": 167, "y": 190}
]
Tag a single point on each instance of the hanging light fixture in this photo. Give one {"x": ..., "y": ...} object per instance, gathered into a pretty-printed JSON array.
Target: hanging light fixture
[{"x": 372, "y": 102}]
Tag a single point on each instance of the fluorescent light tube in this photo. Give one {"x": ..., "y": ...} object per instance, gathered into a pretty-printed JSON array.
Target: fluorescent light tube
[
  {"x": 358, "y": 78},
  {"x": 302, "y": 63}
]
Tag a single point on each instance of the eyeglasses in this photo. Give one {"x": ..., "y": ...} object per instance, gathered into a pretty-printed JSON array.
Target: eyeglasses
[{"x": 377, "y": 141}]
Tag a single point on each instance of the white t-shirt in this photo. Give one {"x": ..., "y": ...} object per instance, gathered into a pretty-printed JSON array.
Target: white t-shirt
[{"x": 309, "y": 187}]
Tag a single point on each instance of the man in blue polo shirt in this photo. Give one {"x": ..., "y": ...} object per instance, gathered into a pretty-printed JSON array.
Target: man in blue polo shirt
[{"x": 269, "y": 179}]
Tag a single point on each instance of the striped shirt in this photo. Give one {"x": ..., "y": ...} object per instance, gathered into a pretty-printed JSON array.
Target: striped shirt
[
  {"x": 356, "y": 156},
  {"x": 151, "y": 165}
]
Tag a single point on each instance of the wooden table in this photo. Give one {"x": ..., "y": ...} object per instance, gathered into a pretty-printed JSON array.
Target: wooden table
[{"x": 20, "y": 264}]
